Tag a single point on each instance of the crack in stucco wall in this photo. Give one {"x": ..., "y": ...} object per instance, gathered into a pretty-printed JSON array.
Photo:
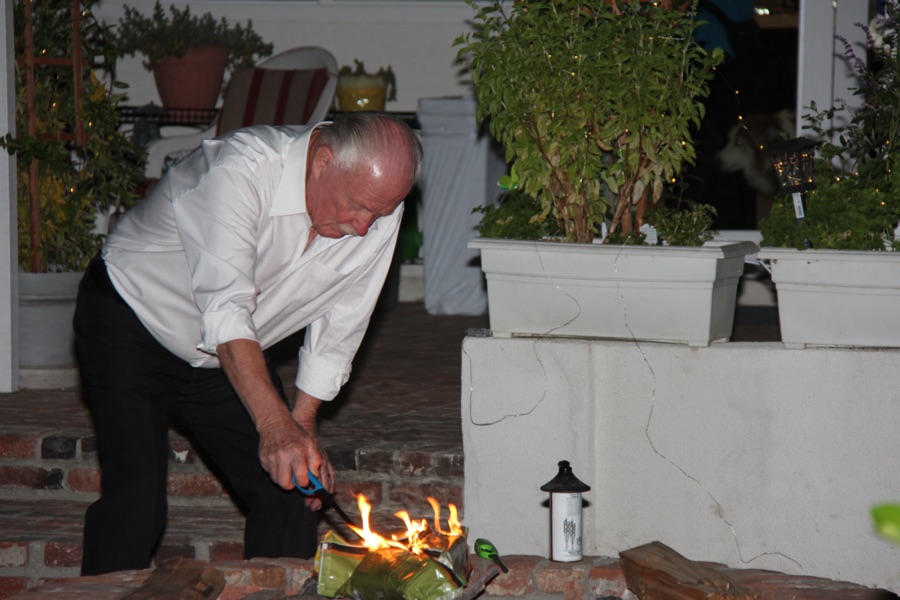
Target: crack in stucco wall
[
  {"x": 720, "y": 509},
  {"x": 540, "y": 362}
]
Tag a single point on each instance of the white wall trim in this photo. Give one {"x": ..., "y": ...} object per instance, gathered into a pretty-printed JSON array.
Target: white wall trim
[
  {"x": 9, "y": 288},
  {"x": 346, "y": 11}
]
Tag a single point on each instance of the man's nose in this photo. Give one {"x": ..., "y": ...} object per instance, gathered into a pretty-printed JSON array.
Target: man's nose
[{"x": 362, "y": 225}]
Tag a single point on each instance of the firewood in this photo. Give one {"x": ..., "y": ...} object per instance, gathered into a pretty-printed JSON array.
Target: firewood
[
  {"x": 483, "y": 572},
  {"x": 266, "y": 595},
  {"x": 656, "y": 572},
  {"x": 179, "y": 578}
]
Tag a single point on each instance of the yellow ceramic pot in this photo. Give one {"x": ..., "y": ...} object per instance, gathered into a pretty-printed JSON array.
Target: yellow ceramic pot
[
  {"x": 361, "y": 92},
  {"x": 358, "y": 90}
]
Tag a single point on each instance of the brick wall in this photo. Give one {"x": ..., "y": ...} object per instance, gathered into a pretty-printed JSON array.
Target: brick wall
[{"x": 529, "y": 578}]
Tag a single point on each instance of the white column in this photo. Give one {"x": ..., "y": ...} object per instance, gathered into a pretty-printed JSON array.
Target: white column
[{"x": 9, "y": 292}]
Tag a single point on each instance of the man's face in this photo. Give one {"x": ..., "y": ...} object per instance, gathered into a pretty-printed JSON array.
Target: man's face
[{"x": 347, "y": 203}]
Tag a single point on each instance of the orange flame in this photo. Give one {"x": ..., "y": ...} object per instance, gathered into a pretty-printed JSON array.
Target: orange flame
[
  {"x": 371, "y": 540},
  {"x": 452, "y": 521},
  {"x": 416, "y": 531}
]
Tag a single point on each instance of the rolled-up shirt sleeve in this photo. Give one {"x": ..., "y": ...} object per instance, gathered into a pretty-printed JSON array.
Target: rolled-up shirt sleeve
[
  {"x": 333, "y": 340},
  {"x": 218, "y": 238}
]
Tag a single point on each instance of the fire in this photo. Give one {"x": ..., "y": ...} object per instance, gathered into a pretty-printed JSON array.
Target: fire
[
  {"x": 417, "y": 534},
  {"x": 452, "y": 521}
]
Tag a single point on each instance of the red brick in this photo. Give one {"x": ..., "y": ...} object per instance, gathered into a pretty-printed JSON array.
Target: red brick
[
  {"x": 61, "y": 446},
  {"x": 345, "y": 492},
  {"x": 449, "y": 465},
  {"x": 222, "y": 551},
  {"x": 297, "y": 572},
  {"x": 181, "y": 452},
  {"x": 171, "y": 549},
  {"x": 62, "y": 554},
  {"x": 13, "y": 445},
  {"x": 267, "y": 576},
  {"x": 111, "y": 586},
  {"x": 375, "y": 460},
  {"x": 89, "y": 447},
  {"x": 84, "y": 479},
  {"x": 194, "y": 484},
  {"x": 412, "y": 495},
  {"x": 13, "y": 554},
  {"x": 31, "y": 477},
  {"x": 413, "y": 462},
  {"x": 12, "y": 585},
  {"x": 246, "y": 577},
  {"x": 562, "y": 579},
  {"x": 520, "y": 579},
  {"x": 606, "y": 580}
]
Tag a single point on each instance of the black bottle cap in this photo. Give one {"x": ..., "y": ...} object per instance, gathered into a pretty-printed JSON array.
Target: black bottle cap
[{"x": 565, "y": 481}]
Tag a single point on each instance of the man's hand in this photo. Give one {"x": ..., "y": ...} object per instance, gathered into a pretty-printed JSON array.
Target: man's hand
[
  {"x": 304, "y": 414},
  {"x": 288, "y": 445}
]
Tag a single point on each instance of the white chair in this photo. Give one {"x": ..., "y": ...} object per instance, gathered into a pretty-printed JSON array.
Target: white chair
[{"x": 293, "y": 87}]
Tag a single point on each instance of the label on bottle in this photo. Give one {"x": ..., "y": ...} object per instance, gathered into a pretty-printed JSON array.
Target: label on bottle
[{"x": 565, "y": 531}]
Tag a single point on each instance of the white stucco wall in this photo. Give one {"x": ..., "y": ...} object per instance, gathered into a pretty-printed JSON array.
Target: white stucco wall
[
  {"x": 743, "y": 453},
  {"x": 414, "y": 37}
]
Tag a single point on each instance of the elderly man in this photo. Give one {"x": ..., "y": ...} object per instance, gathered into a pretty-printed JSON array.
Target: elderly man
[{"x": 249, "y": 239}]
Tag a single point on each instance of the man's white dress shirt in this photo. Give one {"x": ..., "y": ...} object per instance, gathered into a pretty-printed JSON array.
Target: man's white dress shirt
[{"x": 217, "y": 252}]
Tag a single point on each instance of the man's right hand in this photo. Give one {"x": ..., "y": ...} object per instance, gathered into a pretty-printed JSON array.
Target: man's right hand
[
  {"x": 288, "y": 450},
  {"x": 288, "y": 445}
]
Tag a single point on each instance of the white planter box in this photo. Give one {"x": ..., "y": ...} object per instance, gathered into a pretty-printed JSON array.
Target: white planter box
[
  {"x": 46, "y": 308},
  {"x": 836, "y": 297},
  {"x": 650, "y": 293}
]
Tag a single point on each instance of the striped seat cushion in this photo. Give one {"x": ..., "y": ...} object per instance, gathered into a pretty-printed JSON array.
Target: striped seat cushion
[{"x": 271, "y": 97}]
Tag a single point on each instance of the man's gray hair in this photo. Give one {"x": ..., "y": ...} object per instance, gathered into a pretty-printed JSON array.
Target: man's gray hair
[{"x": 355, "y": 136}]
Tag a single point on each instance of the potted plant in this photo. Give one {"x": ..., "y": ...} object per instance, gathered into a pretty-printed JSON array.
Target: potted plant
[
  {"x": 594, "y": 106},
  {"x": 835, "y": 270},
  {"x": 188, "y": 55},
  {"x": 359, "y": 91},
  {"x": 61, "y": 227}
]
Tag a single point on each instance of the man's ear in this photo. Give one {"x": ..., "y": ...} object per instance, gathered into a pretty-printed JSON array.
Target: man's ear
[{"x": 322, "y": 159}]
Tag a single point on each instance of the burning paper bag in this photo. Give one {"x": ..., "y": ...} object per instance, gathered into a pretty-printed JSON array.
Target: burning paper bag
[
  {"x": 387, "y": 573},
  {"x": 335, "y": 562},
  {"x": 452, "y": 552},
  {"x": 394, "y": 573},
  {"x": 423, "y": 565}
]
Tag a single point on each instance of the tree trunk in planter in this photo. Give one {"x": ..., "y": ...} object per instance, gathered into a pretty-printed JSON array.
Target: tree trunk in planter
[
  {"x": 193, "y": 81},
  {"x": 46, "y": 308}
]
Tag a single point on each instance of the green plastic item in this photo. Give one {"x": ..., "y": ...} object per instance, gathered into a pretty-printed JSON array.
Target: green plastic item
[
  {"x": 887, "y": 521},
  {"x": 485, "y": 549}
]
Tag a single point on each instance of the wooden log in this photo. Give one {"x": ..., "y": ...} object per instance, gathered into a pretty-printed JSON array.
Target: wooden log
[
  {"x": 483, "y": 572},
  {"x": 656, "y": 572},
  {"x": 180, "y": 578},
  {"x": 266, "y": 595}
]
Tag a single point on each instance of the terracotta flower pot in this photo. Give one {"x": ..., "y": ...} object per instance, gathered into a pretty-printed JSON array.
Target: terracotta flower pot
[{"x": 192, "y": 81}]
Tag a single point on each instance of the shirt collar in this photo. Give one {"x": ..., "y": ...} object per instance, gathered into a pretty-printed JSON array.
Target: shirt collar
[{"x": 290, "y": 197}]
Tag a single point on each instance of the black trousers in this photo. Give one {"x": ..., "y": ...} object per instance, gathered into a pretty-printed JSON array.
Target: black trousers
[{"x": 134, "y": 389}]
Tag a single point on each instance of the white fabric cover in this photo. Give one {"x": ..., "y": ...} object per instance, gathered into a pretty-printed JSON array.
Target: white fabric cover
[{"x": 461, "y": 167}]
